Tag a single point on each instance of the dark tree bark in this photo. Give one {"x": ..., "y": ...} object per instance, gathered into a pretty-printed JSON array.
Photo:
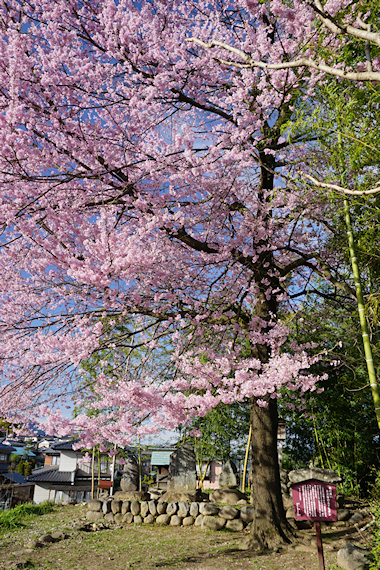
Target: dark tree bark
[{"x": 269, "y": 527}]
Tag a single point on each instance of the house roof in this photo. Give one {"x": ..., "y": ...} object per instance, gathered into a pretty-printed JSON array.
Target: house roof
[
  {"x": 14, "y": 442},
  {"x": 160, "y": 457},
  {"x": 6, "y": 448},
  {"x": 81, "y": 473},
  {"x": 51, "y": 475},
  {"x": 15, "y": 478},
  {"x": 22, "y": 452},
  {"x": 49, "y": 451},
  {"x": 62, "y": 445}
]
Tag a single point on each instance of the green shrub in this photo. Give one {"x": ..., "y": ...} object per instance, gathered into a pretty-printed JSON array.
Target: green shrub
[{"x": 15, "y": 518}]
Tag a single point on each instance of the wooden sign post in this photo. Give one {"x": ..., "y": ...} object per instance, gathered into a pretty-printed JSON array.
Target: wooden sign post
[{"x": 315, "y": 500}]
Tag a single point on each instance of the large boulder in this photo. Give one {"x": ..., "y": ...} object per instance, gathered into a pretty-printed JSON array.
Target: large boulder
[
  {"x": 236, "y": 525},
  {"x": 356, "y": 518},
  {"x": 131, "y": 496},
  {"x": 116, "y": 507},
  {"x": 183, "y": 509},
  {"x": 109, "y": 517},
  {"x": 172, "y": 508},
  {"x": 175, "y": 520},
  {"x": 182, "y": 470},
  {"x": 127, "y": 518},
  {"x": 208, "y": 509},
  {"x": 94, "y": 515},
  {"x": 152, "y": 507},
  {"x": 171, "y": 497},
  {"x": 194, "y": 510},
  {"x": 351, "y": 557},
  {"x": 247, "y": 514},
  {"x": 228, "y": 512},
  {"x": 343, "y": 514},
  {"x": 135, "y": 508},
  {"x": 144, "y": 509},
  {"x": 229, "y": 477},
  {"x": 213, "y": 523},
  {"x": 161, "y": 507},
  {"x": 94, "y": 505},
  {"x": 126, "y": 507},
  {"x": 227, "y": 496},
  {"x": 163, "y": 519}
]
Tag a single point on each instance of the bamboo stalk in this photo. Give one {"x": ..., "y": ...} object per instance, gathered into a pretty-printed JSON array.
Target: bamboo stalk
[
  {"x": 202, "y": 476},
  {"x": 246, "y": 459},
  {"x": 360, "y": 300}
]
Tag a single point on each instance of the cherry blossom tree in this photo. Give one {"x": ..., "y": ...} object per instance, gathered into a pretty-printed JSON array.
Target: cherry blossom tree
[{"x": 142, "y": 201}]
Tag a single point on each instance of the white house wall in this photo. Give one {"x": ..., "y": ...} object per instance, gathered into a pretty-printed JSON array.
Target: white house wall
[
  {"x": 41, "y": 494},
  {"x": 68, "y": 461}
]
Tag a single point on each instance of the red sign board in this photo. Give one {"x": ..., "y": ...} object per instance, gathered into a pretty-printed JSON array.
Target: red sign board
[
  {"x": 104, "y": 484},
  {"x": 314, "y": 500}
]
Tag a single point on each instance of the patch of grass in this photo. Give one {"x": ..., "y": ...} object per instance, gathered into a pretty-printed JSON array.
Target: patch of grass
[{"x": 15, "y": 518}]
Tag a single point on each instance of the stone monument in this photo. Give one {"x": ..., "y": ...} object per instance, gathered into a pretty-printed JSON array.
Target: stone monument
[
  {"x": 182, "y": 470},
  {"x": 229, "y": 477},
  {"x": 130, "y": 478}
]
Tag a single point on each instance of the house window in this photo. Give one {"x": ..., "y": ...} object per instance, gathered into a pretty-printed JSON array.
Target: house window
[
  {"x": 55, "y": 460},
  {"x": 3, "y": 457}
]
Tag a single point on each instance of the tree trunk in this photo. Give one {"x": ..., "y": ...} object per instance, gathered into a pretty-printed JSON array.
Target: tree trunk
[{"x": 269, "y": 527}]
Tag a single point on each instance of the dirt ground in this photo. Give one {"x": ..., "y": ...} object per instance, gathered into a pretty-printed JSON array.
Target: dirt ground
[{"x": 148, "y": 547}]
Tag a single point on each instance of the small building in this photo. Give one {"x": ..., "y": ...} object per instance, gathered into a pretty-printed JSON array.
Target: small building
[
  {"x": 14, "y": 489},
  {"x": 211, "y": 478},
  {"x": 65, "y": 476},
  {"x": 5, "y": 457},
  {"x": 159, "y": 464}
]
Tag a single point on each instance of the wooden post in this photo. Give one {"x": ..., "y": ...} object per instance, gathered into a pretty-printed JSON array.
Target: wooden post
[
  {"x": 113, "y": 472},
  {"x": 319, "y": 545},
  {"x": 93, "y": 473}
]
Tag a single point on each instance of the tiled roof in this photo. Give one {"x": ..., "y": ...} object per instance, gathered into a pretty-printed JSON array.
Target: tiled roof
[
  {"x": 23, "y": 452},
  {"x": 14, "y": 442},
  {"x": 51, "y": 475},
  {"x": 6, "y": 448},
  {"x": 15, "y": 477},
  {"x": 82, "y": 473},
  {"x": 49, "y": 451},
  {"x": 63, "y": 445}
]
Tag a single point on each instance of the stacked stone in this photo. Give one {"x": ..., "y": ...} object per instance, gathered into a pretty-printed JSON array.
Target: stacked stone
[{"x": 205, "y": 515}]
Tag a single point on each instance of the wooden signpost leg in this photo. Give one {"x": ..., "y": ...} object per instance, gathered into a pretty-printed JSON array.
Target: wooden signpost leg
[{"x": 319, "y": 545}]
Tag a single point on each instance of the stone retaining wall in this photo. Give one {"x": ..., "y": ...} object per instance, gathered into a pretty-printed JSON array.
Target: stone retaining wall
[{"x": 204, "y": 515}]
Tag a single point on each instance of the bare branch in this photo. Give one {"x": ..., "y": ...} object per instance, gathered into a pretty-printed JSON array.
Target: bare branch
[
  {"x": 339, "y": 188},
  {"x": 339, "y": 29},
  {"x": 300, "y": 62}
]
